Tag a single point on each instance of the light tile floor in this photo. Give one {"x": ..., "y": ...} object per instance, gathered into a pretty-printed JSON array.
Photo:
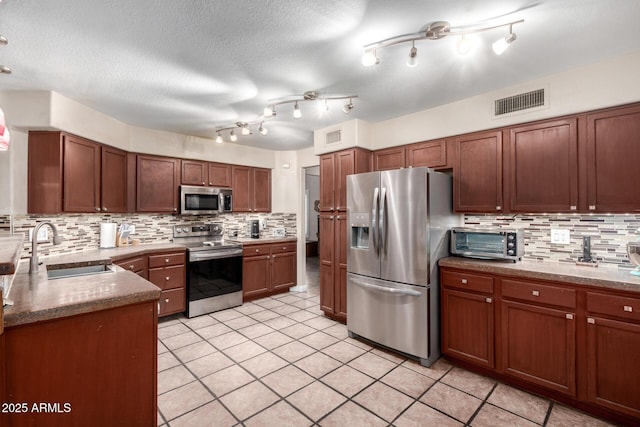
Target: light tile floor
[{"x": 279, "y": 362}]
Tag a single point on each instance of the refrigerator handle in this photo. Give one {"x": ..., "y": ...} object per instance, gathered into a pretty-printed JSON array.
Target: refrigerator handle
[
  {"x": 382, "y": 231},
  {"x": 374, "y": 219}
]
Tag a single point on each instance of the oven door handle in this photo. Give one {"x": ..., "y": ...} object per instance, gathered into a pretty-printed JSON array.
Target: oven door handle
[{"x": 206, "y": 255}]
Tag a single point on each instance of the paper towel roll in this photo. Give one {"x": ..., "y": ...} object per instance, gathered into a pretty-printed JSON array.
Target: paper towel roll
[{"x": 108, "y": 235}]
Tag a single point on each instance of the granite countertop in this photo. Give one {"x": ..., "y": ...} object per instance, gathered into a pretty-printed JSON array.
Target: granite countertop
[
  {"x": 36, "y": 298},
  {"x": 602, "y": 276},
  {"x": 10, "y": 247},
  {"x": 249, "y": 240}
]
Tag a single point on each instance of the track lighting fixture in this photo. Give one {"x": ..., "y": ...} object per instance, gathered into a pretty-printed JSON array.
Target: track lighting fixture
[
  {"x": 503, "y": 43},
  {"x": 263, "y": 130},
  {"x": 296, "y": 111},
  {"x": 436, "y": 31},
  {"x": 233, "y": 137},
  {"x": 348, "y": 107},
  {"x": 311, "y": 95},
  {"x": 245, "y": 130}
]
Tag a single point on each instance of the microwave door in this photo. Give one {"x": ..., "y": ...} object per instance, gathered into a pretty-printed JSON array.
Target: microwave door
[{"x": 363, "y": 203}]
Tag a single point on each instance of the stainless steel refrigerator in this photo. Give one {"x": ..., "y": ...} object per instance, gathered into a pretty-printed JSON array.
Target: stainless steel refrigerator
[{"x": 398, "y": 227}]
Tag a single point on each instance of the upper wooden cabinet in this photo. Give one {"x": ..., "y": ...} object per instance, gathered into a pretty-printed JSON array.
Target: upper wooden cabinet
[
  {"x": 205, "y": 173},
  {"x": 389, "y": 158},
  {"x": 334, "y": 169},
  {"x": 543, "y": 167},
  {"x": 251, "y": 189},
  {"x": 477, "y": 173},
  {"x": 432, "y": 154},
  {"x": 613, "y": 150},
  {"x": 158, "y": 179},
  {"x": 72, "y": 174}
]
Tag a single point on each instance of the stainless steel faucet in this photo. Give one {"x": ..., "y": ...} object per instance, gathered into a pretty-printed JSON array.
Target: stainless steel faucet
[{"x": 34, "y": 264}]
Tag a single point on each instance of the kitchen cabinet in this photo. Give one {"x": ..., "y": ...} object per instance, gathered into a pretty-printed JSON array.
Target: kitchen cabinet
[
  {"x": 389, "y": 158},
  {"x": 136, "y": 264},
  {"x": 477, "y": 173},
  {"x": 468, "y": 307},
  {"x": 539, "y": 334},
  {"x": 432, "y": 154},
  {"x": 268, "y": 269},
  {"x": 102, "y": 364},
  {"x": 613, "y": 150},
  {"x": 205, "y": 174},
  {"x": 613, "y": 346},
  {"x": 157, "y": 183},
  {"x": 543, "y": 167},
  {"x": 67, "y": 173},
  {"x": 334, "y": 169},
  {"x": 333, "y": 265},
  {"x": 251, "y": 189},
  {"x": 168, "y": 272}
]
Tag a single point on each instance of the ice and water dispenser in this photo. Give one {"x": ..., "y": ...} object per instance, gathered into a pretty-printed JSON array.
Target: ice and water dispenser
[{"x": 360, "y": 230}]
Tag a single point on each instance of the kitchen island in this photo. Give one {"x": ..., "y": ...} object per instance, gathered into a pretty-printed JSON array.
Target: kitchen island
[
  {"x": 81, "y": 350},
  {"x": 566, "y": 331}
]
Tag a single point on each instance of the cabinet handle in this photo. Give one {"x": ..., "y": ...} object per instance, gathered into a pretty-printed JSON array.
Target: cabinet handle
[
  {"x": 166, "y": 260},
  {"x": 167, "y": 278},
  {"x": 498, "y": 208},
  {"x": 591, "y": 320},
  {"x": 592, "y": 207},
  {"x": 464, "y": 281},
  {"x": 175, "y": 209},
  {"x": 202, "y": 182},
  {"x": 628, "y": 308},
  {"x": 211, "y": 183},
  {"x": 166, "y": 300},
  {"x": 331, "y": 217},
  {"x": 331, "y": 210},
  {"x": 131, "y": 267},
  {"x": 535, "y": 293},
  {"x": 569, "y": 316},
  {"x": 573, "y": 208},
  {"x": 489, "y": 300},
  {"x": 284, "y": 248},
  {"x": 104, "y": 209},
  {"x": 257, "y": 250},
  {"x": 97, "y": 209}
]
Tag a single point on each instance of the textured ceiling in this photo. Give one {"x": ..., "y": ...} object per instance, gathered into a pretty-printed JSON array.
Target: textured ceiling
[{"x": 191, "y": 66}]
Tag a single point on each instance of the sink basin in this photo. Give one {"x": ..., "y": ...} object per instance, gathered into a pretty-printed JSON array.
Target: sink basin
[{"x": 60, "y": 273}]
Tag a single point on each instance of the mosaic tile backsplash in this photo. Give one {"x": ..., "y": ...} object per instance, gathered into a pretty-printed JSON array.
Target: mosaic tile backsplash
[
  {"x": 81, "y": 232},
  {"x": 609, "y": 235}
]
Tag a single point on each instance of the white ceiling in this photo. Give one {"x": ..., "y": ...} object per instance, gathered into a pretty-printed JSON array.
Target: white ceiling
[{"x": 191, "y": 66}]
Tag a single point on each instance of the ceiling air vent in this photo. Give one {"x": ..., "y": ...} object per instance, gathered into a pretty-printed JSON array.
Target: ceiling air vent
[
  {"x": 333, "y": 137},
  {"x": 519, "y": 102}
]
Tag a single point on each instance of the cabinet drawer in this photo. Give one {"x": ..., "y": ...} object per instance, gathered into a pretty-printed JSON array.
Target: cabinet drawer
[
  {"x": 543, "y": 294},
  {"x": 278, "y": 248},
  {"x": 156, "y": 261},
  {"x": 466, "y": 281},
  {"x": 134, "y": 264},
  {"x": 167, "y": 277},
  {"x": 255, "y": 250},
  {"x": 613, "y": 305},
  {"x": 172, "y": 301}
]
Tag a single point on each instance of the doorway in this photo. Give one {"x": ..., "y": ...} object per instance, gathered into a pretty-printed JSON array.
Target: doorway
[{"x": 312, "y": 228}]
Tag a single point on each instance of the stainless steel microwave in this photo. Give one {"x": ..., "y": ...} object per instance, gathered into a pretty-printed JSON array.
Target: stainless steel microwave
[
  {"x": 196, "y": 200},
  {"x": 488, "y": 243}
]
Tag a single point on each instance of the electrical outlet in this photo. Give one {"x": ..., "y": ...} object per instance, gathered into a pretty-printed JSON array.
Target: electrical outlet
[
  {"x": 263, "y": 224},
  {"x": 43, "y": 234},
  {"x": 561, "y": 236}
]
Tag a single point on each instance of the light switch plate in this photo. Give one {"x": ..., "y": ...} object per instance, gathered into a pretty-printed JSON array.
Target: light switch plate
[{"x": 561, "y": 236}]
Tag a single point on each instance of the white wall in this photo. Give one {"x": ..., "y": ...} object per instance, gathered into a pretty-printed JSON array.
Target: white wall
[{"x": 599, "y": 85}]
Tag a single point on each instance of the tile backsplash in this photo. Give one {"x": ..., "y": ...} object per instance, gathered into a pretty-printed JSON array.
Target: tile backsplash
[
  {"x": 609, "y": 235},
  {"x": 81, "y": 232}
]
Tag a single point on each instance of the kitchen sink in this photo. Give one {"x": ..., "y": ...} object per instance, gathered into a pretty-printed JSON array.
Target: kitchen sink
[{"x": 60, "y": 273}]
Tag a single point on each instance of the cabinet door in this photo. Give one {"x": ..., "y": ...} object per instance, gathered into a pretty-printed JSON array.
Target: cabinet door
[
  {"x": 158, "y": 180},
  {"x": 432, "y": 154},
  {"x": 345, "y": 165},
  {"x": 389, "y": 158},
  {"x": 327, "y": 183},
  {"x": 194, "y": 173},
  {"x": 220, "y": 175},
  {"x": 283, "y": 270},
  {"x": 45, "y": 172},
  {"x": 172, "y": 301},
  {"x": 477, "y": 174},
  {"x": 613, "y": 150},
  {"x": 613, "y": 378},
  {"x": 261, "y": 190},
  {"x": 81, "y": 175},
  {"x": 327, "y": 263},
  {"x": 242, "y": 187},
  {"x": 340, "y": 251},
  {"x": 467, "y": 327},
  {"x": 543, "y": 174},
  {"x": 256, "y": 275},
  {"x": 539, "y": 345},
  {"x": 114, "y": 180}
]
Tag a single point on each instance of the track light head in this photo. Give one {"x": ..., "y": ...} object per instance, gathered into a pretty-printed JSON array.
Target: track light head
[
  {"x": 413, "y": 56},
  {"x": 348, "y": 107},
  {"x": 503, "y": 43},
  {"x": 263, "y": 130},
  {"x": 370, "y": 58},
  {"x": 464, "y": 45},
  {"x": 219, "y": 138},
  {"x": 296, "y": 111},
  {"x": 3, "y": 40},
  {"x": 233, "y": 137},
  {"x": 269, "y": 111}
]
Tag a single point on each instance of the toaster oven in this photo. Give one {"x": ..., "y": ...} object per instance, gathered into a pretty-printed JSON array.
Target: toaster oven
[{"x": 488, "y": 243}]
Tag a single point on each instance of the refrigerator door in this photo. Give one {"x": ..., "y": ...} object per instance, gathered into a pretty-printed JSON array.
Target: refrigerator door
[
  {"x": 363, "y": 200},
  {"x": 404, "y": 226}
]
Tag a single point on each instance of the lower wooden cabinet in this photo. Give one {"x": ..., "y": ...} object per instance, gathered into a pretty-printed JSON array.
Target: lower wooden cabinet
[
  {"x": 268, "y": 269},
  {"x": 569, "y": 342},
  {"x": 137, "y": 264},
  {"x": 333, "y": 265}
]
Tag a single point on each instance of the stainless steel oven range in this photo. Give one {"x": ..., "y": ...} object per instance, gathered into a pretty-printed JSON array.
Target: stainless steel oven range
[{"x": 214, "y": 268}]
